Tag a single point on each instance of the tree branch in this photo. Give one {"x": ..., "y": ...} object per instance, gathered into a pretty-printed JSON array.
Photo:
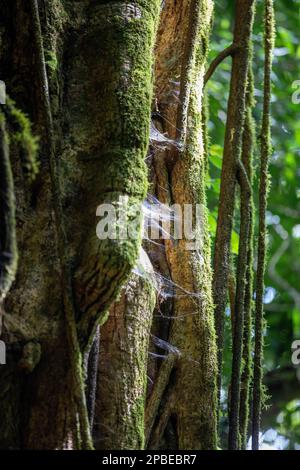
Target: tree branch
[{"x": 229, "y": 51}]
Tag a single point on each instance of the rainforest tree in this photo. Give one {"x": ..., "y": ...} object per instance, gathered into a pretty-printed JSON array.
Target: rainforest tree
[{"x": 116, "y": 342}]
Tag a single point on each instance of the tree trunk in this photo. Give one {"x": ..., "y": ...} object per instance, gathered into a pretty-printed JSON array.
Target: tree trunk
[
  {"x": 192, "y": 401},
  {"x": 98, "y": 63},
  {"x": 123, "y": 362}
]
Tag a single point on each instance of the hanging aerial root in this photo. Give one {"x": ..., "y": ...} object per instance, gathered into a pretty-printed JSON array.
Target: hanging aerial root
[
  {"x": 266, "y": 149},
  {"x": 232, "y": 156},
  {"x": 162, "y": 420},
  {"x": 247, "y": 160},
  {"x": 238, "y": 323},
  {"x": 92, "y": 375},
  {"x": 160, "y": 385},
  {"x": 241, "y": 317}
]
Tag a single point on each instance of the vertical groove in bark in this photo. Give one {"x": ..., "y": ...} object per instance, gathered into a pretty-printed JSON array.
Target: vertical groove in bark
[
  {"x": 232, "y": 152},
  {"x": 266, "y": 149}
]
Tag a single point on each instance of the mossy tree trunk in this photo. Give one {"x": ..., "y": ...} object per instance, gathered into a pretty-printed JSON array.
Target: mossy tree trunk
[
  {"x": 83, "y": 72},
  {"x": 98, "y": 61},
  {"x": 186, "y": 382}
]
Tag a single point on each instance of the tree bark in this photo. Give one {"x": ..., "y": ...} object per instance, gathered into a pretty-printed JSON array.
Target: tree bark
[
  {"x": 98, "y": 62},
  {"x": 192, "y": 330},
  {"x": 123, "y": 359}
]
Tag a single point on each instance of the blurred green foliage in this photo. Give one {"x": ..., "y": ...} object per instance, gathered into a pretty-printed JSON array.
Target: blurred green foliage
[
  {"x": 282, "y": 296},
  {"x": 289, "y": 423}
]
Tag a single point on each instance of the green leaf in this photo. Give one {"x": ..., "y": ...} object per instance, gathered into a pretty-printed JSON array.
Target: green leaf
[{"x": 235, "y": 242}]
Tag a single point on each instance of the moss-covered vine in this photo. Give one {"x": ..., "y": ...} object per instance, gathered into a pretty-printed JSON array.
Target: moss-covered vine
[{"x": 265, "y": 153}]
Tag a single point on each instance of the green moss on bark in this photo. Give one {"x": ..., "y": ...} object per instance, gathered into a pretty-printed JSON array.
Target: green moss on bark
[
  {"x": 193, "y": 329},
  {"x": 8, "y": 242},
  {"x": 121, "y": 393},
  {"x": 20, "y": 133},
  {"x": 108, "y": 97}
]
